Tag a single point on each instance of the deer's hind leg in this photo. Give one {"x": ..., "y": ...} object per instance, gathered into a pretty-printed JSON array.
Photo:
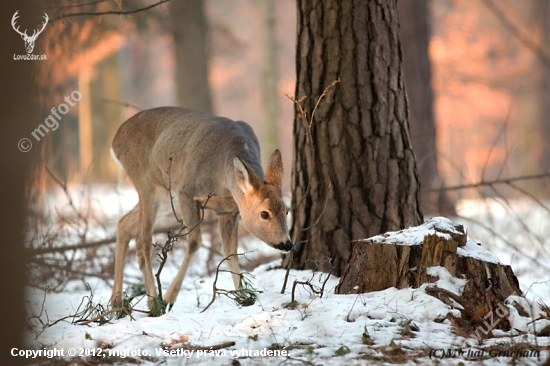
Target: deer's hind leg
[
  {"x": 149, "y": 201},
  {"x": 126, "y": 230}
]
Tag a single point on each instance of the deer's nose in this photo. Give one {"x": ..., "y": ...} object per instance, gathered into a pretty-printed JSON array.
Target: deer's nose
[{"x": 285, "y": 246}]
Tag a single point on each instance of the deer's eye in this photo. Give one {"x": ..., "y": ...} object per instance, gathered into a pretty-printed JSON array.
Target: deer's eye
[{"x": 264, "y": 215}]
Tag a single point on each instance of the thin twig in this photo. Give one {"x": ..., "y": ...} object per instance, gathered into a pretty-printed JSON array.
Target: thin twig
[
  {"x": 65, "y": 189},
  {"x": 316, "y": 290},
  {"x": 124, "y": 104},
  {"x": 234, "y": 294},
  {"x": 541, "y": 52},
  {"x": 321, "y": 97},
  {"x": 101, "y": 316},
  {"x": 501, "y": 132},
  {"x": 305, "y": 283},
  {"x": 168, "y": 172},
  {"x": 530, "y": 195},
  {"x": 203, "y": 206},
  {"x": 111, "y": 12},
  {"x": 204, "y": 348},
  {"x": 303, "y": 116},
  {"x": 64, "y": 248},
  {"x": 489, "y": 183},
  {"x": 74, "y": 5},
  {"x": 506, "y": 241},
  {"x": 65, "y": 268},
  {"x": 322, "y": 212},
  {"x": 518, "y": 216}
]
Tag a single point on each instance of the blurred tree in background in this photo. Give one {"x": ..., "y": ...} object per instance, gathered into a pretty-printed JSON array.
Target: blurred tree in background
[
  {"x": 414, "y": 20},
  {"x": 490, "y": 91},
  {"x": 189, "y": 28}
]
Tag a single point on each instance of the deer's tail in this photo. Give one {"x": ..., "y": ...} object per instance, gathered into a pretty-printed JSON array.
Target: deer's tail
[{"x": 121, "y": 172}]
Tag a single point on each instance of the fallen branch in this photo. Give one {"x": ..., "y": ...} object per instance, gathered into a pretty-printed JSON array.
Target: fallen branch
[
  {"x": 467, "y": 308},
  {"x": 204, "y": 348},
  {"x": 103, "y": 315},
  {"x": 245, "y": 295}
]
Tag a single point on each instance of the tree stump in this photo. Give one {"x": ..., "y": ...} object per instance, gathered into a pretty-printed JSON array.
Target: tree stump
[{"x": 401, "y": 259}]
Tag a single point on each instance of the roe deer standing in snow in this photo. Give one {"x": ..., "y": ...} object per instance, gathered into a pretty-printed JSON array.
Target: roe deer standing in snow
[{"x": 209, "y": 155}]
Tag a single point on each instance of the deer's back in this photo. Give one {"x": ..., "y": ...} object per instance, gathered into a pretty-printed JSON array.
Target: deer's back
[{"x": 202, "y": 147}]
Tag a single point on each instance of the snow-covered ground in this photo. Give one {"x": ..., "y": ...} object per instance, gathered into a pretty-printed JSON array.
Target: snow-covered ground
[{"x": 385, "y": 327}]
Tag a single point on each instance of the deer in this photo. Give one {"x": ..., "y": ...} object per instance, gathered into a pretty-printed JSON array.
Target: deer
[
  {"x": 29, "y": 41},
  {"x": 193, "y": 154}
]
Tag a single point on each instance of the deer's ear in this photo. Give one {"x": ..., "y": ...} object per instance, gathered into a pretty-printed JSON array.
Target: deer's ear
[
  {"x": 274, "y": 171},
  {"x": 246, "y": 177}
]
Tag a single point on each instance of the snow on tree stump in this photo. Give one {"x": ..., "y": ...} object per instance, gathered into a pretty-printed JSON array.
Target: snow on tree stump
[{"x": 400, "y": 259}]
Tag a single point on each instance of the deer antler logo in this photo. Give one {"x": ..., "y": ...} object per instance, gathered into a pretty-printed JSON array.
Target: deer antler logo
[{"x": 29, "y": 41}]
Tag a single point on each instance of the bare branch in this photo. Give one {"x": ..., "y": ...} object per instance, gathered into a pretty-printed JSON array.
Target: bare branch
[
  {"x": 501, "y": 132},
  {"x": 541, "y": 52},
  {"x": 467, "y": 307},
  {"x": 303, "y": 115},
  {"x": 124, "y": 104},
  {"x": 111, "y": 12},
  {"x": 321, "y": 97},
  {"x": 490, "y": 183},
  {"x": 64, "y": 248},
  {"x": 204, "y": 348},
  {"x": 74, "y": 5},
  {"x": 530, "y": 195},
  {"x": 243, "y": 293},
  {"x": 322, "y": 212}
]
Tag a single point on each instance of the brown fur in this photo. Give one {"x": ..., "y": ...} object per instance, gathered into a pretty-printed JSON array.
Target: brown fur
[{"x": 209, "y": 155}]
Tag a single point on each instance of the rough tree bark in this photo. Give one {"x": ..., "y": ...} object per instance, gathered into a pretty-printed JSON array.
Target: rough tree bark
[
  {"x": 189, "y": 28},
  {"x": 362, "y": 162}
]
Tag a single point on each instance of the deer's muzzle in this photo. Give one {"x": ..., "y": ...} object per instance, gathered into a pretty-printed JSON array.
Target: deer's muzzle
[{"x": 285, "y": 246}]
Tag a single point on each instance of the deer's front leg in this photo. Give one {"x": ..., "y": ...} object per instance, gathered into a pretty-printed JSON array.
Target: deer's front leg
[
  {"x": 229, "y": 224},
  {"x": 191, "y": 214}
]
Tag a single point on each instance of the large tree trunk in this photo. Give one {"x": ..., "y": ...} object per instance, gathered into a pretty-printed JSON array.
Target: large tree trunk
[
  {"x": 362, "y": 163},
  {"x": 414, "y": 19},
  {"x": 189, "y": 29}
]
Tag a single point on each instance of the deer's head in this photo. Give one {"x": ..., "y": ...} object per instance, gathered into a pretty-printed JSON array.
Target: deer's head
[
  {"x": 262, "y": 207},
  {"x": 29, "y": 40}
]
